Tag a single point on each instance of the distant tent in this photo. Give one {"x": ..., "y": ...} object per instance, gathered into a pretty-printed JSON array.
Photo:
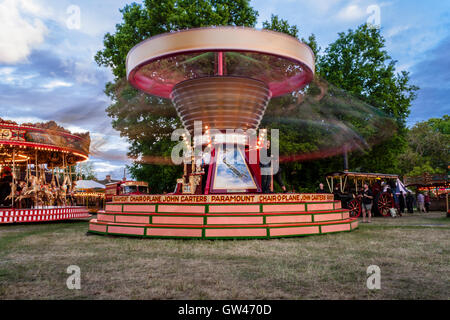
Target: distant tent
[
  {"x": 88, "y": 184},
  {"x": 400, "y": 187}
]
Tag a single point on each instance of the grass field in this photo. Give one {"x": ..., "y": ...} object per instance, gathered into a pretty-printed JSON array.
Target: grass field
[{"x": 412, "y": 252}]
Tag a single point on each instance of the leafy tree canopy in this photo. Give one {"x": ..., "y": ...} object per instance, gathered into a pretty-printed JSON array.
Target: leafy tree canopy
[
  {"x": 159, "y": 16},
  {"x": 85, "y": 171},
  {"x": 358, "y": 63},
  {"x": 428, "y": 147}
]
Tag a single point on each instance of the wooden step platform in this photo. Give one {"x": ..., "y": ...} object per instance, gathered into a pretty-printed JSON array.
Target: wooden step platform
[{"x": 215, "y": 217}]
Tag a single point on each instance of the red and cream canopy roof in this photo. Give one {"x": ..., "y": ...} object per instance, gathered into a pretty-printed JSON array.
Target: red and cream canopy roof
[
  {"x": 41, "y": 143},
  {"x": 222, "y": 77},
  {"x": 280, "y": 61}
]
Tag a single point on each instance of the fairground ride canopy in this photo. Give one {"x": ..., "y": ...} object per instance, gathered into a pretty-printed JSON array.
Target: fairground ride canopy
[
  {"x": 41, "y": 143},
  {"x": 428, "y": 180},
  {"x": 280, "y": 61},
  {"x": 222, "y": 76}
]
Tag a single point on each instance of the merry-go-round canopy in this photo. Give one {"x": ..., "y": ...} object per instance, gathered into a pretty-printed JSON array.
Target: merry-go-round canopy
[
  {"x": 361, "y": 175},
  {"x": 41, "y": 143}
]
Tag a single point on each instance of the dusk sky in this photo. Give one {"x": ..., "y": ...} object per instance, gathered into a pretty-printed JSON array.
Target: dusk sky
[{"x": 47, "y": 70}]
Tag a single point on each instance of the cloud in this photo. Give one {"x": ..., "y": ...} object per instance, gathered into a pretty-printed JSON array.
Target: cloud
[
  {"x": 351, "y": 13},
  {"x": 20, "y": 33},
  {"x": 115, "y": 169},
  {"x": 433, "y": 69},
  {"x": 396, "y": 30},
  {"x": 49, "y": 87},
  {"x": 10, "y": 76},
  {"x": 432, "y": 76},
  {"x": 56, "y": 84}
]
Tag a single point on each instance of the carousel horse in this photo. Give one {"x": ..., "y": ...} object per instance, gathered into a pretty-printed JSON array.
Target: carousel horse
[
  {"x": 12, "y": 195},
  {"x": 23, "y": 197},
  {"x": 60, "y": 197},
  {"x": 33, "y": 191},
  {"x": 63, "y": 191},
  {"x": 45, "y": 196}
]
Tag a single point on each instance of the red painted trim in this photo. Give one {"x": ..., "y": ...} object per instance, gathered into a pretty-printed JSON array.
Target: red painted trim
[
  {"x": 220, "y": 63},
  {"x": 40, "y": 145},
  {"x": 228, "y": 226},
  {"x": 226, "y": 213},
  {"x": 211, "y": 170},
  {"x": 164, "y": 91},
  {"x": 222, "y": 203}
]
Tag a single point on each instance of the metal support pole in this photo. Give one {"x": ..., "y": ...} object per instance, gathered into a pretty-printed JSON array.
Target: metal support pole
[
  {"x": 345, "y": 160},
  {"x": 13, "y": 178}
]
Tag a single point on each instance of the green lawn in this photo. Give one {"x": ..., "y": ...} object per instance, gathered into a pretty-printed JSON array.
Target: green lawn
[{"x": 412, "y": 252}]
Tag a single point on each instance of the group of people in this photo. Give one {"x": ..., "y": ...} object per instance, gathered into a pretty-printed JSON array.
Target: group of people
[
  {"x": 402, "y": 201},
  {"x": 423, "y": 202},
  {"x": 366, "y": 195},
  {"x": 408, "y": 202}
]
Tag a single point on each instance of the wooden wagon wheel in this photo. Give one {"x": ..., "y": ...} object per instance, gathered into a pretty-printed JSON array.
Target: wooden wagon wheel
[
  {"x": 354, "y": 208},
  {"x": 385, "y": 202}
]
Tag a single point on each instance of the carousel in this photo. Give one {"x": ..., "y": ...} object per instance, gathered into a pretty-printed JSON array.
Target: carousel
[
  {"x": 91, "y": 194},
  {"x": 220, "y": 80},
  {"x": 436, "y": 185},
  {"x": 36, "y": 165}
]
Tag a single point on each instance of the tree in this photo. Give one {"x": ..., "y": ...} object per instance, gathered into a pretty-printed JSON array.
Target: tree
[
  {"x": 281, "y": 25},
  {"x": 160, "y": 16},
  {"x": 358, "y": 63},
  {"x": 147, "y": 121},
  {"x": 345, "y": 105},
  {"x": 428, "y": 147},
  {"x": 85, "y": 171}
]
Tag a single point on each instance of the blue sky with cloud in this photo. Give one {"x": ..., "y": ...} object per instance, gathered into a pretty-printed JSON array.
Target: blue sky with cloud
[{"x": 47, "y": 71}]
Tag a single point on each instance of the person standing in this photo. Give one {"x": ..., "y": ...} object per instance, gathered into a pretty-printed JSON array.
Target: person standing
[
  {"x": 427, "y": 202},
  {"x": 5, "y": 186},
  {"x": 267, "y": 173},
  {"x": 401, "y": 202},
  {"x": 336, "y": 193},
  {"x": 366, "y": 202},
  {"x": 410, "y": 202},
  {"x": 265, "y": 170},
  {"x": 321, "y": 189},
  {"x": 277, "y": 177},
  {"x": 421, "y": 202}
]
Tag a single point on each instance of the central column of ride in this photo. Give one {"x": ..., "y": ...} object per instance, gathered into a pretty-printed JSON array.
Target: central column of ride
[{"x": 222, "y": 105}]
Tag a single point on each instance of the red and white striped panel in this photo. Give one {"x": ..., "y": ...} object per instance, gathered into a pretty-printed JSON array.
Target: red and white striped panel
[{"x": 35, "y": 215}]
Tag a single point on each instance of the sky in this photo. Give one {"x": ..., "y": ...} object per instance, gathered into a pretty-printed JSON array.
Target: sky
[{"x": 47, "y": 70}]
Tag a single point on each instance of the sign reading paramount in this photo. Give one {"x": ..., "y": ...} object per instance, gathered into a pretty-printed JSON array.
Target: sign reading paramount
[{"x": 227, "y": 198}]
